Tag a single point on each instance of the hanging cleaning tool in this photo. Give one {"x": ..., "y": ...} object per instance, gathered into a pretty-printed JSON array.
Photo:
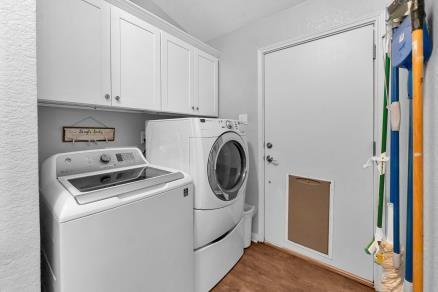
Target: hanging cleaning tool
[
  {"x": 397, "y": 10},
  {"x": 407, "y": 285},
  {"x": 374, "y": 246},
  {"x": 389, "y": 250},
  {"x": 417, "y": 19},
  {"x": 402, "y": 58},
  {"x": 394, "y": 165}
]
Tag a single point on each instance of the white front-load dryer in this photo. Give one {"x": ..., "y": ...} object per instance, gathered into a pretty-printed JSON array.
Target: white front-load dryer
[
  {"x": 219, "y": 167},
  {"x": 215, "y": 153},
  {"x": 221, "y": 172}
]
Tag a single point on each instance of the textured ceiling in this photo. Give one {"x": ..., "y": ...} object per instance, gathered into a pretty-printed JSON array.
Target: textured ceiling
[{"x": 209, "y": 19}]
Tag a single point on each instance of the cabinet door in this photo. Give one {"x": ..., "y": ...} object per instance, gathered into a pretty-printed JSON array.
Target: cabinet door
[
  {"x": 206, "y": 84},
  {"x": 177, "y": 76},
  {"x": 135, "y": 61},
  {"x": 74, "y": 51}
]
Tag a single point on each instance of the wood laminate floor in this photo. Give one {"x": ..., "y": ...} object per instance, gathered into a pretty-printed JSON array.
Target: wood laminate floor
[{"x": 263, "y": 268}]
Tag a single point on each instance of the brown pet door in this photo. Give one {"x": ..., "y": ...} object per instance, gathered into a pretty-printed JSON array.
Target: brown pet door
[{"x": 309, "y": 213}]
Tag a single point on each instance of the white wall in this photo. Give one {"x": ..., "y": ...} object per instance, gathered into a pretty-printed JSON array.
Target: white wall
[
  {"x": 51, "y": 120},
  {"x": 238, "y": 92},
  {"x": 238, "y": 67},
  {"x": 431, "y": 156},
  {"x": 19, "y": 216},
  {"x": 155, "y": 9}
]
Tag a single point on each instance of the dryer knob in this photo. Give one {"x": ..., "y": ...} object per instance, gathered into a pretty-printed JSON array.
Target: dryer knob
[{"x": 105, "y": 158}]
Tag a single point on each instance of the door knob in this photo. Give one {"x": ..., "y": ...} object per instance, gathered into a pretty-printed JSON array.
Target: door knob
[
  {"x": 269, "y": 158},
  {"x": 269, "y": 145}
]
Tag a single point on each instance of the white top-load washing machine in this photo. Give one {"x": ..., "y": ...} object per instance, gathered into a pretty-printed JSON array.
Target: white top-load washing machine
[
  {"x": 110, "y": 221},
  {"x": 215, "y": 153}
]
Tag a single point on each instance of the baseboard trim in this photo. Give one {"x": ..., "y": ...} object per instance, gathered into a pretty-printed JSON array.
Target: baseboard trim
[
  {"x": 255, "y": 237},
  {"x": 323, "y": 265}
]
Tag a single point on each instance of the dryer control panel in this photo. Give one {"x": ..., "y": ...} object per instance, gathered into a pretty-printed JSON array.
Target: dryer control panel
[
  {"x": 222, "y": 125},
  {"x": 102, "y": 159}
]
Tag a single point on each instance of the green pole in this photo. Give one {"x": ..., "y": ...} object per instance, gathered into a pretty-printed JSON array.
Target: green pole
[
  {"x": 372, "y": 247},
  {"x": 383, "y": 142}
]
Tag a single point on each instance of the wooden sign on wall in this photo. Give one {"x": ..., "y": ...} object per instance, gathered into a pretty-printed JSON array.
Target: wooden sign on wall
[{"x": 88, "y": 134}]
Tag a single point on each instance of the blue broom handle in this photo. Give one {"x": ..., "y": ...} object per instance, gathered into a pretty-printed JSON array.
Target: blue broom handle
[
  {"x": 394, "y": 165},
  {"x": 409, "y": 210}
]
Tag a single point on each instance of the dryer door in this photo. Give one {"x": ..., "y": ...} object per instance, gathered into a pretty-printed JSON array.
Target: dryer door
[{"x": 227, "y": 166}]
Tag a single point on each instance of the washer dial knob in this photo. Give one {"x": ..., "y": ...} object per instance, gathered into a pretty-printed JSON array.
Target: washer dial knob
[
  {"x": 229, "y": 124},
  {"x": 105, "y": 158}
]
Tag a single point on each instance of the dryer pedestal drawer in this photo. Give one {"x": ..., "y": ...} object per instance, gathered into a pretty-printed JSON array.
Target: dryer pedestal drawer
[{"x": 214, "y": 261}]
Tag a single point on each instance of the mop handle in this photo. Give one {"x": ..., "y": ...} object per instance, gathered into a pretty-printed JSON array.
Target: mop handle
[{"x": 417, "y": 16}]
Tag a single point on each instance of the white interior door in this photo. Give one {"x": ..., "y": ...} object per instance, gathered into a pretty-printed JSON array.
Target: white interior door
[
  {"x": 74, "y": 51},
  {"x": 135, "y": 55},
  {"x": 319, "y": 120}
]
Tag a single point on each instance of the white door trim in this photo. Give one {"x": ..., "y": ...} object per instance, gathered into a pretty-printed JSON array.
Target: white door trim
[{"x": 379, "y": 25}]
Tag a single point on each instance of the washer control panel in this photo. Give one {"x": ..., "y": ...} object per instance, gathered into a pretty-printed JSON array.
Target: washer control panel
[{"x": 81, "y": 162}]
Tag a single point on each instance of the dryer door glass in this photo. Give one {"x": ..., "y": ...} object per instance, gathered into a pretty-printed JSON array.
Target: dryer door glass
[
  {"x": 229, "y": 165},
  {"x": 227, "y": 168}
]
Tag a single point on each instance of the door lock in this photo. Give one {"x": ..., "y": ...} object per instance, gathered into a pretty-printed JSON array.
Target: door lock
[{"x": 269, "y": 145}]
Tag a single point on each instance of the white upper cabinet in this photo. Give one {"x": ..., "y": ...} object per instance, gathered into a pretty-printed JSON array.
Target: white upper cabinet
[
  {"x": 74, "y": 51},
  {"x": 135, "y": 62},
  {"x": 177, "y": 75},
  {"x": 206, "y": 84},
  {"x": 90, "y": 52}
]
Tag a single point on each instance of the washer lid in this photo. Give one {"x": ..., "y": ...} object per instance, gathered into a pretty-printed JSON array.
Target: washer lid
[
  {"x": 227, "y": 166},
  {"x": 96, "y": 186}
]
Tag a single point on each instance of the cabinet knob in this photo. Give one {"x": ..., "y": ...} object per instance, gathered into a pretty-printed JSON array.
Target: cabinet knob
[
  {"x": 193, "y": 108},
  {"x": 118, "y": 98},
  {"x": 107, "y": 96},
  {"x": 197, "y": 108}
]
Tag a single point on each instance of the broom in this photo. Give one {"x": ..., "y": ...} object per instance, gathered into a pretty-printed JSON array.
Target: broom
[{"x": 373, "y": 247}]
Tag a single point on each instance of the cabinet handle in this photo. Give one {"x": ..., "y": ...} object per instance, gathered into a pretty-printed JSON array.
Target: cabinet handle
[
  {"x": 107, "y": 96},
  {"x": 118, "y": 98},
  {"x": 197, "y": 108},
  {"x": 193, "y": 108}
]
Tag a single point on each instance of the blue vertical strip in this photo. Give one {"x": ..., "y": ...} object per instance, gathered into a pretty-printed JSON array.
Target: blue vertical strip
[
  {"x": 409, "y": 211},
  {"x": 394, "y": 164}
]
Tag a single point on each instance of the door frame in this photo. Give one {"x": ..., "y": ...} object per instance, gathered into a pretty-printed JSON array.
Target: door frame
[{"x": 378, "y": 21}]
